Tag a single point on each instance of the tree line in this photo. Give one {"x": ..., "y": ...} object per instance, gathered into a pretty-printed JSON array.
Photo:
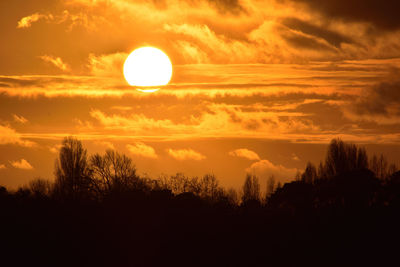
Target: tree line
[
  {"x": 99, "y": 212},
  {"x": 95, "y": 177}
]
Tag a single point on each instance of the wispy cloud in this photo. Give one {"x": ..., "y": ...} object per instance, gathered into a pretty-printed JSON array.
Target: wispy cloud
[
  {"x": 56, "y": 61},
  {"x": 121, "y": 108},
  {"x": 107, "y": 65},
  {"x": 72, "y": 19},
  {"x": 21, "y": 164},
  {"x": 27, "y": 21},
  {"x": 10, "y": 136},
  {"x": 105, "y": 144},
  {"x": 185, "y": 154},
  {"x": 141, "y": 149},
  {"x": 265, "y": 168},
  {"x": 2, "y": 167},
  {"x": 245, "y": 153},
  {"x": 295, "y": 157},
  {"x": 218, "y": 120},
  {"x": 54, "y": 149},
  {"x": 20, "y": 119}
]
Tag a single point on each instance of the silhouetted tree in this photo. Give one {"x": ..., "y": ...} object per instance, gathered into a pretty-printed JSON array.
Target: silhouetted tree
[
  {"x": 392, "y": 190},
  {"x": 310, "y": 173},
  {"x": 3, "y": 191},
  {"x": 73, "y": 179},
  {"x": 392, "y": 169},
  {"x": 381, "y": 167},
  {"x": 270, "y": 187},
  {"x": 179, "y": 183},
  {"x": 209, "y": 187},
  {"x": 321, "y": 172},
  {"x": 113, "y": 172},
  {"x": 293, "y": 196},
  {"x": 297, "y": 177},
  {"x": 349, "y": 218},
  {"x": 342, "y": 157},
  {"x": 278, "y": 185},
  {"x": 232, "y": 196},
  {"x": 352, "y": 189},
  {"x": 40, "y": 187},
  {"x": 251, "y": 189}
]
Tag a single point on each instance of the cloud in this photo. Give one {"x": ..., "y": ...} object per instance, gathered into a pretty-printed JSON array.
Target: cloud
[
  {"x": 228, "y": 6},
  {"x": 121, "y": 108},
  {"x": 27, "y": 21},
  {"x": 71, "y": 19},
  {"x": 20, "y": 119},
  {"x": 234, "y": 7},
  {"x": 301, "y": 41},
  {"x": 106, "y": 144},
  {"x": 245, "y": 153},
  {"x": 236, "y": 80},
  {"x": 137, "y": 123},
  {"x": 141, "y": 149},
  {"x": 21, "y": 164},
  {"x": 217, "y": 120},
  {"x": 56, "y": 61},
  {"x": 203, "y": 45},
  {"x": 83, "y": 125},
  {"x": 383, "y": 15},
  {"x": 2, "y": 167},
  {"x": 54, "y": 149},
  {"x": 381, "y": 99},
  {"x": 10, "y": 136},
  {"x": 264, "y": 168},
  {"x": 332, "y": 37},
  {"x": 244, "y": 32},
  {"x": 107, "y": 65},
  {"x": 185, "y": 154},
  {"x": 295, "y": 157}
]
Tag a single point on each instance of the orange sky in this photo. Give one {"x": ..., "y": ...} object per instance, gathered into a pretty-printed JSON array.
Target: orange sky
[{"x": 258, "y": 86}]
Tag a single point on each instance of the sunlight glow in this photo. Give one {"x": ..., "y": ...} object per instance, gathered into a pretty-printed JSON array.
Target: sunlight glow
[
  {"x": 147, "y": 66},
  {"x": 148, "y": 90}
]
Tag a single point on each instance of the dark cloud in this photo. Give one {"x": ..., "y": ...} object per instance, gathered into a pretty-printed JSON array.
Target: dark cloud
[
  {"x": 252, "y": 125},
  {"x": 223, "y": 6},
  {"x": 341, "y": 66},
  {"x": 228, "y": 6},
  {"x": 236, "y": 85},
  {"x": 39, "y": 81},
  {"x": 381, "y": 99},
  {"x": 4, "y": 85},
  {"x": 334, "y": 38},
  {"x": 382, "y": 14},
  {"x": 304, "y": 42},
  {"x": 18, "y": 82}
]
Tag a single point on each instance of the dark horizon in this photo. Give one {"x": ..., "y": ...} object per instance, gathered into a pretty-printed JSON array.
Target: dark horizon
[
  {"x": 256, "y": 86},
  {"x": 99, "y": 212}
]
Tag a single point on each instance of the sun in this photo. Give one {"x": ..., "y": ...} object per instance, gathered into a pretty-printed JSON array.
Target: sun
[{"x": 147, "y": 66}]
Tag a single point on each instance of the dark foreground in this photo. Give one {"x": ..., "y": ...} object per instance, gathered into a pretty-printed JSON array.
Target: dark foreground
[
  {"x": 98, "y": 212},
  {"x": 159, "y": 229}
]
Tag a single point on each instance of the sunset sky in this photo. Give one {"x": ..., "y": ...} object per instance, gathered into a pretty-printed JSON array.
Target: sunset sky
[{"x": 257, "y": 86}]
